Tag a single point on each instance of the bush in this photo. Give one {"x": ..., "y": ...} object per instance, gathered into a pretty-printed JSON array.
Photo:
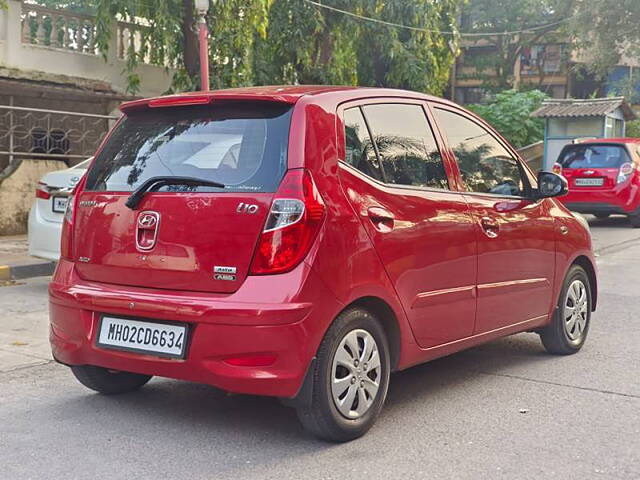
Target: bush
[
  {"x": 633, "y": 129},
  {"x": 510, "y": 113}
]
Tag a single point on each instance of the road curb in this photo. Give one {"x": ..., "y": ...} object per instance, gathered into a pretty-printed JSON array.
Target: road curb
[{"x": 20, "y": 272}]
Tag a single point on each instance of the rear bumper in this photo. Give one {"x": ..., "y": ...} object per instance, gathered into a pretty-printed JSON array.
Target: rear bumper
[
  {"x": 221, "y": 327},
  {"x": 624, "y": 199},
  {"x": 594, "y": 207}
]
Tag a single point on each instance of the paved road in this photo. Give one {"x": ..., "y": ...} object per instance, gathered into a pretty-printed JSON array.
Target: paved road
[{"x": 503, "y": 410}]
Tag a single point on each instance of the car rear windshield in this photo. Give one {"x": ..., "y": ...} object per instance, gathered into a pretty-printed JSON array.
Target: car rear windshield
[
  {"x": 593, "y": 156},
  {"x": 241, "y": 145}
]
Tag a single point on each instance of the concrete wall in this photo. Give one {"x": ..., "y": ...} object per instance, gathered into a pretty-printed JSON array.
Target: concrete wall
[
  {"x": 17, "y": 194},
  {"x": 23, "y": 56}
]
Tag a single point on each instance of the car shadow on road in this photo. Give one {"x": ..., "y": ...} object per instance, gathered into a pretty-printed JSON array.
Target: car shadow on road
[
  {"x": 614, "y": 221},
  {"x": 195, "y": 413},
  {"x": 425, "y": 382}
]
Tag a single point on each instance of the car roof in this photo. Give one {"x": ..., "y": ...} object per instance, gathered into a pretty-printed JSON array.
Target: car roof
[
  {"x": 277, "y": 93},
  {"x": 611, "y": 140}
]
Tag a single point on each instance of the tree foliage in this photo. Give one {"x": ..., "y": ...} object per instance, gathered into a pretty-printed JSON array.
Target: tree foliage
[
  {"x": 606, "y": 31},
  {"x": 633, "y": 129},
  {"x": 288, "y": 41},
  {"x": 306, "y": 44},
  {"x": 510, "y": 114},
  {"x": 171, "y": 35}
]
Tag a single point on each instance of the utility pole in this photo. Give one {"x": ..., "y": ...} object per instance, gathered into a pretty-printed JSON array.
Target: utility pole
[{"x": 202, "y": 7}]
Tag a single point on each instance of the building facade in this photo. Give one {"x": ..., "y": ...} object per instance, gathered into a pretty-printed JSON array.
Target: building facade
[
  {"x": 549, "y": 66},
  {"x": 59, "y": 95}
]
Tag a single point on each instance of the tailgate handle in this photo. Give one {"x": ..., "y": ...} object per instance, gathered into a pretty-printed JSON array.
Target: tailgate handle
[{"x": 381, "y": 218}]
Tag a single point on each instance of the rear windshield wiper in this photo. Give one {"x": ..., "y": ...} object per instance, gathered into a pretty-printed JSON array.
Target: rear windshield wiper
[{"x": 154, "y": 183}]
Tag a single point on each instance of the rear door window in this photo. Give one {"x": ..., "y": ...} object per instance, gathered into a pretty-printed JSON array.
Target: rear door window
[
  {"x": 243, "y": 146},
  {"x": 593, "y": 156},
  {"x": 406, "y": 145}
]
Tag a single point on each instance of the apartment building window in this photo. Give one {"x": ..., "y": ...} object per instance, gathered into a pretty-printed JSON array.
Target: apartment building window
[
  {"x": 546, "y": 58},
  {"x": 467, "y": 95}
]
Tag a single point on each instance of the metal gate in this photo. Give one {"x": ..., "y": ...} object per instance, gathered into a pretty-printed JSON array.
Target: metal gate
[{"x": 49, "y": 134}]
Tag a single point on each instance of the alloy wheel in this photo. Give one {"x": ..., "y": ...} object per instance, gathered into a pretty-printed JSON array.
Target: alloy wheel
[
  {"x": 356, "y": 373},
  {"x": 576, "y": 311}
]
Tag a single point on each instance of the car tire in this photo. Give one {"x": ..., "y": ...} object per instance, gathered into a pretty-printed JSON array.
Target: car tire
[
  {"x": 569, "y": 327},
  {"x": 108, "y": 382},
  {"x": 602, "y": 215},
  {"x": 340, "y": 416},
  {"x": 634, "y": 220}
]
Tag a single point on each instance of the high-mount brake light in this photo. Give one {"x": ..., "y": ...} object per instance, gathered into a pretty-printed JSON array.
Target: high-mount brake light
[
  {"x": 292, "y": 225},
  {"x": 180, "y": 101}
]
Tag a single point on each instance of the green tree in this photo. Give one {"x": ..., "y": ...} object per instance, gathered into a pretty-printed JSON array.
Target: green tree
[
  {"x": 170, "y": 34},
  {"x": 288, "y": 41},
  {"x": 627, "y": 87},
  {"x": 633, "y": 129},
  {"x": 307, "y": 44},
  {"x": 607, "y": 30},
  {"x": 234, "y": 25},
  {"x": 533, "y": 19},
  {"x": 510, "y": 114}
]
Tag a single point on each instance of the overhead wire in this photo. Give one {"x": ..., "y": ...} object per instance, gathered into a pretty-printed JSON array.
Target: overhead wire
[{"x": 442, "y": 32}]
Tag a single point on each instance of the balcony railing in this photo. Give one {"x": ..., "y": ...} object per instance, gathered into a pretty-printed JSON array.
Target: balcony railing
[
  {"x": 58, "y": 29},
  {"x": 66, "y": 30},
  {"x": 133, "y": 38}
]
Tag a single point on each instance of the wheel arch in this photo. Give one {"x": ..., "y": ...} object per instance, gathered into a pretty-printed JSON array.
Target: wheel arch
[
  {"x": 389, "y": 320},
  {"x": 387, "y": 317},
  {"x": 587, "y": 265}
]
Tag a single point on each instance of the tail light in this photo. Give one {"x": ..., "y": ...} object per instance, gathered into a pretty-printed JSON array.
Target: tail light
[
  {"x": 66, "y": 238},
  {"x": 626, "y": 169},
  {"x": 42, "y": 191},
  {"x": 557, "y": 169},
  {"x": 294, "y": 220}
]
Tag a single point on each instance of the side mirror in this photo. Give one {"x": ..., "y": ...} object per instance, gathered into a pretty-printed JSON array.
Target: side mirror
[{"x": 551, "y": 185}]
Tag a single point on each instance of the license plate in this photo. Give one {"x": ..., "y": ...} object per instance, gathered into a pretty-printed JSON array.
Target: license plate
[
  {"x": 589, "y": 182},
  {"x": 60, "y": 204},
  {"x": 161, "y": 339}
]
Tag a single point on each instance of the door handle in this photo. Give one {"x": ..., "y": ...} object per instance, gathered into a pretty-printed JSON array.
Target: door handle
[
  {"x": 381, "y": 218},
  {"x": 490, "y": 227}
]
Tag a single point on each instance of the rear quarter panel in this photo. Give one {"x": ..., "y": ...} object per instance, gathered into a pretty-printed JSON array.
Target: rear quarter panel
[{"x": 343, "y": 256}]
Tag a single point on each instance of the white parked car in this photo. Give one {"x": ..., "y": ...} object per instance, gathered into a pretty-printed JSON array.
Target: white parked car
[{"x": 47, "y": 212}]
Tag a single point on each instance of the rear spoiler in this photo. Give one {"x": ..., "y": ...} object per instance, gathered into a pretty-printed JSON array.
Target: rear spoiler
[{"x": 203, "y": 98}]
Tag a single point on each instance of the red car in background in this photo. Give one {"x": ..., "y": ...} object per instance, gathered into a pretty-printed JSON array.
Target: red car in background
[
  {"x": 603, "y": 176},
  {"x": 304, "y": 242}
]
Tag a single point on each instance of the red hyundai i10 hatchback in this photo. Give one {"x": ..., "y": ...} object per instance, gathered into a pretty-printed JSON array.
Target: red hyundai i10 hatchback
[
  {"x": 304, "y": 243},
  {"x": 603, "y": 176}
]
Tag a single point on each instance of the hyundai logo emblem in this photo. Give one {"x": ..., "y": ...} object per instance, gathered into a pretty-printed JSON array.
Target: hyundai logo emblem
[{"x": 147, "y": 230}]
